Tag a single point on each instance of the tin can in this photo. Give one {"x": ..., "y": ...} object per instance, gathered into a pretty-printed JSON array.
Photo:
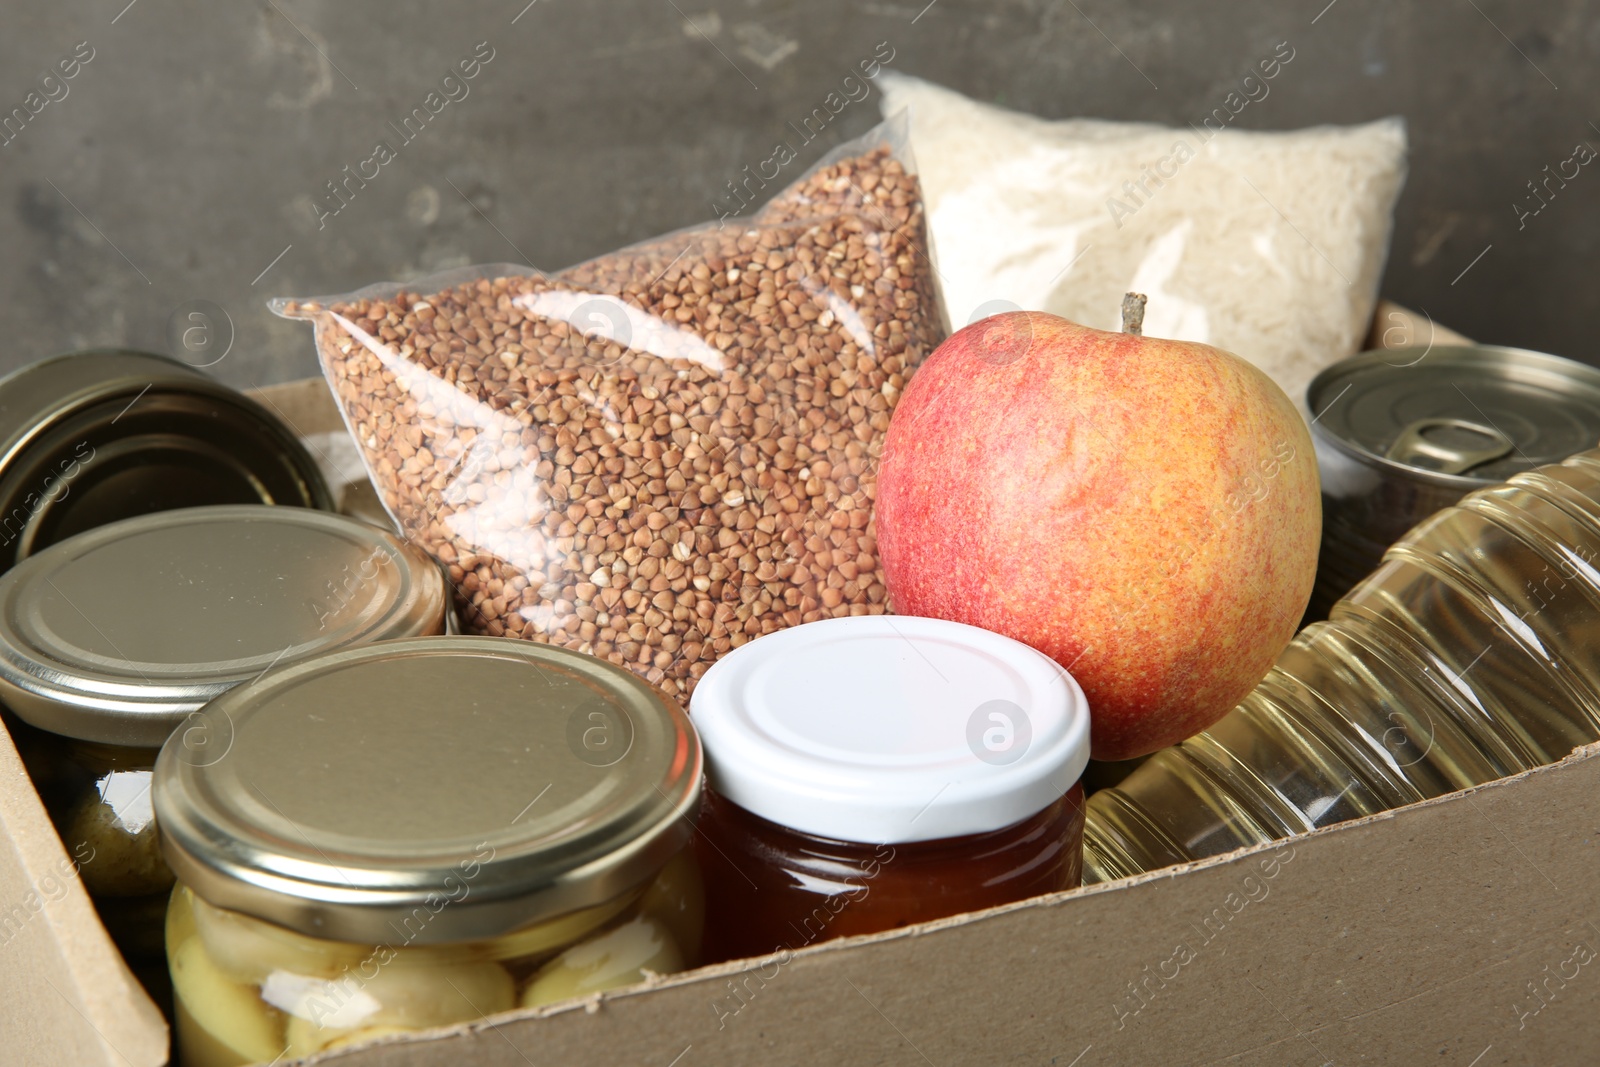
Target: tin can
[
  {"x": 1401, "y": 436},
  {"x": 93, "y": 437}
]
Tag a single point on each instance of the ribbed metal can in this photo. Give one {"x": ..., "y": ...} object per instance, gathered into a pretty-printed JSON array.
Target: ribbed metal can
[{"x": 1400, "y": 436}]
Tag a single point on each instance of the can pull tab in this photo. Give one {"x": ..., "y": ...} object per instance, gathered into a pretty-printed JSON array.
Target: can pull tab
[{"x": 1413, "y": 444}]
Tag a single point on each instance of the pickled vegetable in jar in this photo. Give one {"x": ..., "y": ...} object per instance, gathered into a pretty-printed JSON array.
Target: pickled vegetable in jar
[
  {"x": 112, "y": 639},
  {"x": 421, "y": 833},
  {"x": 869, "y": 773}
]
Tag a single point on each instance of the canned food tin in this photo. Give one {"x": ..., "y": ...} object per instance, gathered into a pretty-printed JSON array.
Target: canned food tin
[
  {"x": 1400, "y": 436},
  {"x": 92, "y": 437}
]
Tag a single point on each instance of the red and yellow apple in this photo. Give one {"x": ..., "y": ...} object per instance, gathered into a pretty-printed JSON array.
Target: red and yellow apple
[{"x": 1144, "y": 511}]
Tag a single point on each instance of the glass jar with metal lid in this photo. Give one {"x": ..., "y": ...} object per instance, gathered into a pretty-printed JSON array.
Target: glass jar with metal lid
[
  {"x": 92, "y": 437},
  {"x": 869, "y": 773},
  {"x": 420, "y": 833},
  {"x": 1402, "y": 433},
  {"x": 113, "y": 639}
]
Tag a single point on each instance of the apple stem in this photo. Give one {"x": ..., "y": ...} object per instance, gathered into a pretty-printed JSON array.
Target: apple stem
[{"x": 1133, "y": 313}]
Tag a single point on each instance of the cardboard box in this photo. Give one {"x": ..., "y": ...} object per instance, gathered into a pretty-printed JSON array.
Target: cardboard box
[
  {"x": 68, "y": 997},
  {"x": 1458, "y": 932}
]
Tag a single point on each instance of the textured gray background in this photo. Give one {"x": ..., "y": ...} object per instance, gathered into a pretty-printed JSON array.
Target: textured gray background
[{"x": 186, "y": 154}]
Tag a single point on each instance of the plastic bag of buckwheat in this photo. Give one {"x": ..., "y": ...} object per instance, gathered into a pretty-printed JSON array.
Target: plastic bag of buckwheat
[{"x": 662, "y": 453}]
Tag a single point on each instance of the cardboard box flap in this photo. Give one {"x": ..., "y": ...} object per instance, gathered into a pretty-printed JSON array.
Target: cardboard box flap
[
  {"x": 1457, "y": 931},
  {"x": 69, "y": 999},
  {"x": 1394, "y": 326}
]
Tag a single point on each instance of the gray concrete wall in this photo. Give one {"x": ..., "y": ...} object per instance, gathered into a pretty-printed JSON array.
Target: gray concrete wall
[{"x": 183, "y": 161}]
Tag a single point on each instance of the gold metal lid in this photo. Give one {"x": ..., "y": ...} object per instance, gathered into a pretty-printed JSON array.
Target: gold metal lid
[
  {"x": 430, "y": 790},
  {"x": 120, "y": 633},
  {"x": 92, "y": 437}
]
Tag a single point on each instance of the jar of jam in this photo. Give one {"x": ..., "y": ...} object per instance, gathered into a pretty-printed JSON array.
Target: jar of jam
[
  {"x": 420, "y": 833},
  {"x": 868, "y": 773},
  {"x": 115, "y": 637}
]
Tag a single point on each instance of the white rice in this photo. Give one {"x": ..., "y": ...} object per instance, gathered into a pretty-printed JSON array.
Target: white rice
[{"x": 1268, "y": 245}]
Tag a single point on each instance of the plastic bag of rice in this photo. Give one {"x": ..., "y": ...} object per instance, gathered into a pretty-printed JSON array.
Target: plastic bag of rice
[
  {"x": 1269, "y": 245},
  {"x": 662, "y": 453}
]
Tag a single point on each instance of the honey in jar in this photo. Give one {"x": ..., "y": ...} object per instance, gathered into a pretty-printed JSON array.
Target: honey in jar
[{"x": 873, "y": 772}]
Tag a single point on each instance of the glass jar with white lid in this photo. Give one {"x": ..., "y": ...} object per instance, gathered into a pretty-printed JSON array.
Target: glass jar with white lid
[{"x": 872, "y": 772}]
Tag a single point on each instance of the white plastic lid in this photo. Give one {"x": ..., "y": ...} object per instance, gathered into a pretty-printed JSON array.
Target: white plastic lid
[{"x": 883, "y": 729}]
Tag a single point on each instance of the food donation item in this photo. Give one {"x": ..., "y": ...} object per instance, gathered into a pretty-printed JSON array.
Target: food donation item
[
  {"x": 1270, "y": 245},
  {"x": 1144, "y": 511},
  {"x": 1468, "y": 655},
  {"x": 92, "y": 437},
  {"x": 111, "y": 640},
  {"x": 870, "y": 773},
  {"x": 484, "y": 824},
  {"x": 1401, "y": 434},
  {"x": 664, "y": 452}
]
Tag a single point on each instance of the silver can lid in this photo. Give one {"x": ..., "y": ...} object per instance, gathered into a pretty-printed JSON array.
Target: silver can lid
[
  {"x": 1457, "y": 415},
  {"x": 349, "y": 794},
  {"x": 118, "y": 634}
]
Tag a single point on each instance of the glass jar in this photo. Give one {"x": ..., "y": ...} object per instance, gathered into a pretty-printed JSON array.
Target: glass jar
[
  {"x": 112, "y": 639},
  {"x": 419, "y": 833},
  {"x": 92, "y": 437},
  {"x": 1467, "y": 656},
  {"x": 804, "y": 889},
  {"x": 868, "y": 773}
]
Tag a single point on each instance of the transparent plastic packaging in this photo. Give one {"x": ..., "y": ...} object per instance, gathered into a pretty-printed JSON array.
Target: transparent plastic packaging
[
  {"x": 662, "y": 453},
  {"x": 1472, "y": 653},
  {"x": 1267, "y": 244}
]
